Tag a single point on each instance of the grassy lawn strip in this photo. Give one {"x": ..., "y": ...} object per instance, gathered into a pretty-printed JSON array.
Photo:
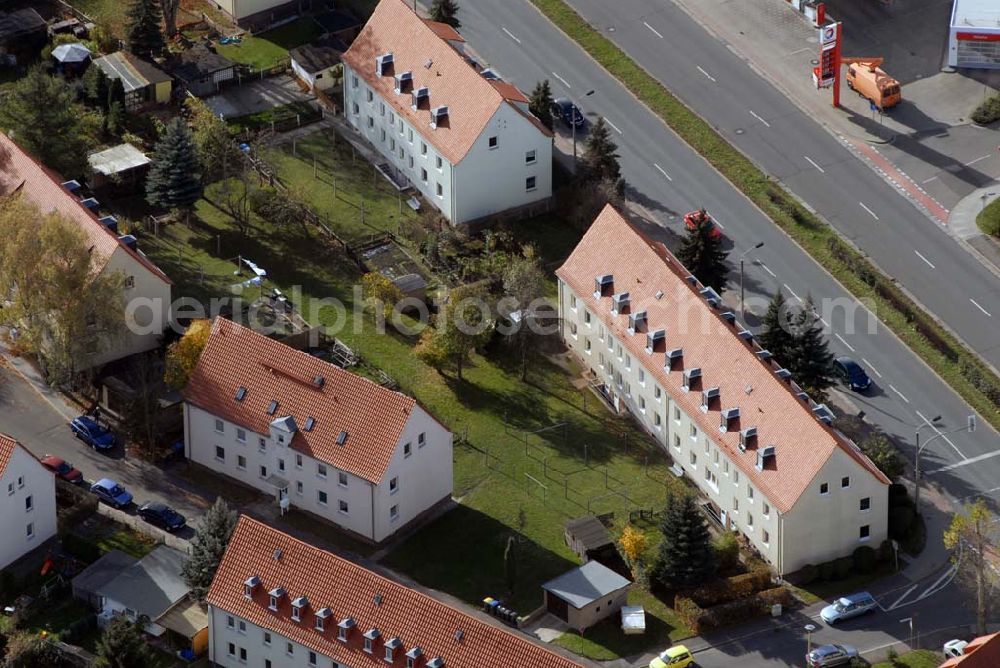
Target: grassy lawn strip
[
  {"x": 282, "y": 112},
  {"x": 818, "y": 239},
  {"x": 988, "y": 219},
  {"x": 269, "y": 48},
  {"x": 819, "y": 590},
  {"x": 921, "y": 658}
]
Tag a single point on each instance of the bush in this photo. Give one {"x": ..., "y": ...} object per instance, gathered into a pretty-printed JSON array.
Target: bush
[
  {"x": 842, "y": 567},
  {"x": 898, "y": 495},
  {"x": 988, "y": 110},
  {"x": 80, "y": 548},
  {"x": 731, "y": 589},
  {"x": 806, "y": 575},
  {"x": 827, "y": 571},
  {"x": 865, "y": 559},
  {"x": 901, "y": 521},
  {"x": 690, "y": 613},
  {"x": 727, "y": 552}
]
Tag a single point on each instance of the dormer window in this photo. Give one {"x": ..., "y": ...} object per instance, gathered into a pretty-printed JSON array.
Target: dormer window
[
  {"x": 692, "y": 377},
  {"x": 655, "y": 340},
  {"x": 413, "y": 656},
  {"x": 673, "y": 358},
  {"x": 711, "y": 296},
  {"x": 274, "y": 597},
  {"x": 298, "y": 605},
  {"x": 383, "y": 64},
  {"x": 371, "y": 636},
  {"x": 390, "y": 646},
  {"x": 603, "y": 285},
  {"x": 419, "y": 97},
  {"x": 783, "y": 374},
  {"x": 764, "y": 355},
  {"x": 748, "y": 438},
  {"x": 310, "y": 423},
  {"x": 619, "y": 303},
  {"x": 241, "y": 394},
  {"x": 436, "y": 662},
  {"x": 764, "y": 456},
  {"x": 404, "y": 82},
  {"x": 250, "y": 586},
  {"x": 637, "y": 322},
  {"x": 709, "y": 397},
  {"x": 321, "y": 616},
  {"x": 438, "y": 116},
  {"x": 344, "y": 628},
  {"x": 726, "y": 417}
]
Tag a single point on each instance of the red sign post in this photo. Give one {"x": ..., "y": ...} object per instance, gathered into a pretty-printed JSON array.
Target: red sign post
[{"x": 827, "y": 73}]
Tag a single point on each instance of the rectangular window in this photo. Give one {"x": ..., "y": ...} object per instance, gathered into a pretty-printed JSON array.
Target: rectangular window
[
  {"x": 298, "y": 461},
  {"x": 401, "y": 153},
  {"x": 767, "y": 509},
  {"x": 263, "y": 471},
  {"x": 289, "y": 649},
  {"x": 261, "y": 444},
  {"x": 677, "y": 441},
  {"x": 586, "y": 344},
  {"x": 749, "y": 522},
  {"x": 371, "y": 122},
  {"x": 845, "y": 482},
  {"x": 230, "y": 622},
  {"x": 642, "y": 376},
  {"x": 866, "y": 504},
  {"x": 677, "y": 414},
  {"x": 694, "y": 432},
  {"x": 694, "y": 459},
  {"x": 392, "y": 144},
  {"x": 406, "y": 450},
  {"x": 824, "y": 489},
  {"x": 381, "y": 108},
  {"x": 423, "y": 175},
  {"x": 312, "y": 658},
  {"x": 243, "y": 654},
  {"x": 321, "y": 495},
  {"x": 28, "y": 503},
  {"x": 423, "y": 148},
  {"x": 865, "y": 533},
  {"x": 736, "y": 504},
  {"x": 369, "y": 95},
  {"x": 765, "y": 537},
  {"x": 440, "y": 190},
  {"x": 410, "y": 160},
  {"x": 281, "y": 464},
  {"x": 494, "y": 142},
  {"x": 220, "y": 453},
  {"x": 241, "y": 435},
  {"x": 725, "y": 466},
  {"x": 409, "y": 135},
  {"x": 298, "y": 487},
  {"x": 394, "y": 485},
  {"x": 267, "y": 638},
  {"x": 342, "y": 478},
  {"x": 382, "y": 134},
  {"x": 241, "y": 462},
  {"x": 355, "y": 109},
  {"x": 392, "y": 118},
  {"x": 219, "y": 426},
  {"x": 343, "y": 506},
  {"x": 657, "y": 420},
  {"x": 232, "y": 649},
  {"x": 642, "y": 403},
  {"x": 394, "y": 512},
  {"x": 750, "y": 493},
  {"x": 736, "y": 477},
  {"x": 321, "y": 470},
  {"x": 439, "y": 162},
  {"x": 421, "y": 440},
  {"x": 658, "y": 393},
  {"x": 354, "y": 81},
  {"x": 368, "y": 645},
  {"x": 529, "y": 158}
]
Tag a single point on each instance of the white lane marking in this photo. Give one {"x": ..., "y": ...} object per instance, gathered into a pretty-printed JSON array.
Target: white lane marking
[
  {"x": 655, "y": 32},
  {"x": 872, "y": 367},
  {"x": 710, "y": 77},
  {"x": 561, "y": 79},
  {"x": 902, "y": 396},
  {"x": 826, "y": 324},
  {"x": 662, "y": 172},
  {"x": 966, "y": 462},
  {"x": 759, "y": 118},
  {"x": 929, "y": 263},
  {"x": 613, "y": 126},
  {"x": 945, "y": 437},
  {"x": 510, "y": 34},
  {"x": 983, "y": 493},
  {"x": 805, "y": 48},
  {"x": 976, "y": 304},
  {"x": 773, "y": 275},
  {"x": 937, "y": 586},
  {"x": 811, "y": 162},
  {"x": 792, "y": 291},
  {"x": 868, "y": 210},
  {"x": 849, "y": 346},
  {"x": 900, "y": 599},
  {"x": 933, "y": 178},
  {"x": 972, "y": 162}
]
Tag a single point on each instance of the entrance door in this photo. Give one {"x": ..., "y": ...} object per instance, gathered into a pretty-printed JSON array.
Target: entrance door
[{"x": 557, "y": 606}]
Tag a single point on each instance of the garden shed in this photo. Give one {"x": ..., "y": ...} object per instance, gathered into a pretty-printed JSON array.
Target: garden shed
[
  {"x": 587, "y": 537},
  {"x": 586, "y": 595}
]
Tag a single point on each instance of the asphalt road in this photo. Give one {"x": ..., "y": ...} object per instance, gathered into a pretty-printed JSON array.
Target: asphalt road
[{"x": 667, "y": 179}]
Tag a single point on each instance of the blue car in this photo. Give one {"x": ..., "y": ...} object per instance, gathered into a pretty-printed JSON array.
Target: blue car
[
  {"x": 567, "y": 112},
  {"x": 112, "y": 493},
  {"x": 851, "y": 373},
  {"x": 87, "y": 430}
]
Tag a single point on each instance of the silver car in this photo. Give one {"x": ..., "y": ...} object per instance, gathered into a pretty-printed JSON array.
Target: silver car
[
  {"x": 831, "y": 655},
  {"x": 848, "y": 606}
]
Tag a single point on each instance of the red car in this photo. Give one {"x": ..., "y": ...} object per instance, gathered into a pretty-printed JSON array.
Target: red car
[
  {"x": 692, "y": 218},
  {"x": 62, "y": 468}
]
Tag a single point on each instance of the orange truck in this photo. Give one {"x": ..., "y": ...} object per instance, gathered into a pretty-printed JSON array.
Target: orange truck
[{"x": 866, "y": 77}]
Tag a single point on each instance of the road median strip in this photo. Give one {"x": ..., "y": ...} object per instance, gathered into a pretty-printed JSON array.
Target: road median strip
[{"x": 958, "y": 366}]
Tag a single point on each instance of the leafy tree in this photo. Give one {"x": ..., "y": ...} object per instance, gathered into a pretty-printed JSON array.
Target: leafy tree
[
  {"x": 463, "y": 324},
  {"x": 510, "y": 565},
  {"x": 143, "y": 412},
  {"x": 633, "y": 546},
  {"x": 686, "y": 555},
  {"x": 207, "y": 548},
  {"x": 28, "y": 650},
  {"x": 540, "y": 103},
  {"x": 524, "y": 284},
  {"x": 600, "y": 162},
  {"x": 702, "y": 254},
  {"x": 445, "y": 11},
  {"x": 811, "y": 359},
  {"x": 40, "y": 112},
  {"x": 727, "y": 552},
  {"x": 218, "y": 155},
  {"x": 884, "y": 455},
  {"x": 64, "y": 310},
  {"x": 173, "y": 181},
  {"x": 581, "y": 202},
  {"x": 142, "y": 28},
  {"x": 122, "y": 645},
  {"x": 381, "y": 295},
  {"x": 973, "y": 534},
  {"x": 777, "y": 336},
  {"x": 183, "y": 354}
]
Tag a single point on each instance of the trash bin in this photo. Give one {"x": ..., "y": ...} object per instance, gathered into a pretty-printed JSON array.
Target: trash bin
[{"x": 776, "y": 610}]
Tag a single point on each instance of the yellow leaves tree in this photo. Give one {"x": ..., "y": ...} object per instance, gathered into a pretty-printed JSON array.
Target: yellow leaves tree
[
  {"x": 381, "y": 295},
  {"x": 973, "y": 535},
  {"x": 633, "y": 544},
  {"x": 182, "y": 355}
]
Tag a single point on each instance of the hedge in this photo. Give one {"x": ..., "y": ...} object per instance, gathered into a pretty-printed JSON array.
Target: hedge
[
  {"x": 987, "y": 111},
  {"x": 730, "y": 589},
  {"x": 925, "y": 336},
  {"x": 703, "y": 620}
]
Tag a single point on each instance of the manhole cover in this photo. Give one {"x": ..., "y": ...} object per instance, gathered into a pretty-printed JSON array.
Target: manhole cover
[
  {"x": 611, "y": 29},
  {"x": 814, "y": 61},
  {"x": 740, "y": 131}
]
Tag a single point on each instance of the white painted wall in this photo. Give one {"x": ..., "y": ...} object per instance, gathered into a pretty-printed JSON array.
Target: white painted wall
[
  {"x": 240, "y": 9},
  {"x": 220, "y": 635},
  {"x": 25, "y": 477}
]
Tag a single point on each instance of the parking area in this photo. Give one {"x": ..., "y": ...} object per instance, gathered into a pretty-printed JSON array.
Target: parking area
[{"x": 256, "y": 96}]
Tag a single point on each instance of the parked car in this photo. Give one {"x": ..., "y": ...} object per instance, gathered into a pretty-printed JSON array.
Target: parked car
[
  {"x": 954, "y": 648},
  {"x": 692, "y": 218},
  {"x": 87, "y": 430},
  {"x": 567, "y": 112},
  {"x": 831, "y": 655},
  {"x": 677, "y": 656},
  {"x": 852, "y": 374},
  {"x": 112, "y": 493},
  {"x": 62, "y": 468},
  {"x": 848, "y": 607},
  {"x": 162, "y": 515}
]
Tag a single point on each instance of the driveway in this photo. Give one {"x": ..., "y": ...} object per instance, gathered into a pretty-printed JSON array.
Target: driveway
[{"x": 256, "y": 96}]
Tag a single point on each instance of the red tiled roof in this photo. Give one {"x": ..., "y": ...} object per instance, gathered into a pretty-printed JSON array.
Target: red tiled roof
[
  {"x": 349, "y": 590},
  {"x": 471, "y": 100},
  {"x": 7, "y": 447},
  {"x": 372, "y": 416},
  {"x": 510, "y": 92},
  {"x": 19, "y": 171},
  {"x": 644, "y": 268},
  {"x": 983, "y": 652},
  {"x": 444, "y": 31}
]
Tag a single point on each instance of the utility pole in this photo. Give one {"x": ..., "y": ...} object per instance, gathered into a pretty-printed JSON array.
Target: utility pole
[{"x": 970, "y": 426}]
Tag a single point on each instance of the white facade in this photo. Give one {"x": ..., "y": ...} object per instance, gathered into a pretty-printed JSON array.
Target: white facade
[
  {"x": 233, "y": 640},
  {"x": 241, "y": 9},
  {"x": 27, "y": 506},
  {"x": 819, "y": 526},
  {"x": 974, "y": 34},
  {"x": 418, "y": 476},
  {"x": 508, "y": 166}
]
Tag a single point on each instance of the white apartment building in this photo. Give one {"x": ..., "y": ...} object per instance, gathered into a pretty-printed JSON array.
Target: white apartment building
[
  {"x": 277, "y": 602},
  {"x": 321, "y": 439},
  {"x": 146, "y": 307},
  {"x": 764, "y": 455},
  {"x": 458, "y": 134},
  {"x": 27, "y": 502}
]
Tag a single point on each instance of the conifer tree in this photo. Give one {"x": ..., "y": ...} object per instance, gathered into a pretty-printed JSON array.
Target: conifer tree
[
  {"x": 445, "y": 11},
  {"x": 811, "y": 359},
  {"x": 701, "y": 252},
  {"x": 142, "y": 28},
  {"x": 600, "y": 162},
  {"x": 208, "y": 546},
  {"x": 686, "y": 555},
  {"x": 540, "y": 103},
  {"x": 778, "y": 337},
  {"x": 173, "y": 181}
]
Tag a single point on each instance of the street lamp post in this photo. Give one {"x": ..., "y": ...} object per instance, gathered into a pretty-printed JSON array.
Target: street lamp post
[
  {"x": 970, "y": 426},
  {"x": 572, "y": 122},
  {"x": 909, "y": 620},
  {"x": 742, "y": 255},
  {"x": 809, "y": 631}
]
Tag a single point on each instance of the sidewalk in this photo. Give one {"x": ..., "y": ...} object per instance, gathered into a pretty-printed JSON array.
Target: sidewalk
[{"x": 962, "y": 223}]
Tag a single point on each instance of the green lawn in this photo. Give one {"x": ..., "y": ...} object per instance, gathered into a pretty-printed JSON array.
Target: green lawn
[
  {"x": 267, "y": 49},
  {"x": 920, "y": 658},
  {"x": 989, "y": 218},
  {"x": 280, "y": 113},
  {"x": 107, "y": 13}
]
